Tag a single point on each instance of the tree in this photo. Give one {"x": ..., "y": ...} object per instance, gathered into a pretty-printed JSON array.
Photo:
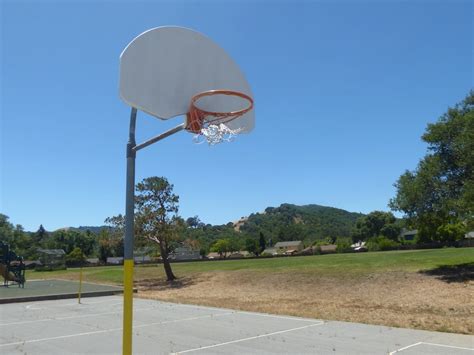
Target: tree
[
  {"x": 156, "y": 216},
  {"x": 40, "y": 235},
  {"x": 261, "y": 243},
  {"x": 222, "y": 246},
  {"x": 6, "y": 229},
  {"x": 116, "y": 234},
  {"x": 251, "y": 246},
  {"x": 194, "y": 222},
  {"x": 75, "y": 258},
  {"x": 440, "y": 190},
  {"x": 373, "y": 225},
  {"x": 105, "y": 245}
]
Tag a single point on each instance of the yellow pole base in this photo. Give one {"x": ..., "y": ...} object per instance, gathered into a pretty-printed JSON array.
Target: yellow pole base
[{"x": 127, "y": 307}]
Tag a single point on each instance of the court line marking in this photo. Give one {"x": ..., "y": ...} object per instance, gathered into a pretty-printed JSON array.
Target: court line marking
[
  {"x": 432, "y": 344},
  {"x": 71, "y": 317},
  {"x": 448, "y": 346},
  {"x": 47, "y": 304},
  {"x": 404, "y": 348},
  {"x": 249, "y": 338},
  {"x": 112, "y": 330}
]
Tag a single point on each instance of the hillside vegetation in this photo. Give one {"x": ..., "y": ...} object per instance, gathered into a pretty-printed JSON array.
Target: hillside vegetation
[{"x": 309, "y": 222}]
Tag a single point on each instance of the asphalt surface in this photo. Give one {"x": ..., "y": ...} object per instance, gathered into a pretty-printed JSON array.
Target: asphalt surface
[{"x": 94, "y": 327}]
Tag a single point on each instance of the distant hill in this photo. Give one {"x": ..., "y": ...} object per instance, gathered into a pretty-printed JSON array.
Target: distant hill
[
  {"x": 286, "y": 222},
  {"x": 92, "y": 229},
  {"x": 292, "y": 222}
]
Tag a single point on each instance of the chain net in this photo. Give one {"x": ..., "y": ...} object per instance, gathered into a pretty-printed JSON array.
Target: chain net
[{"x": 215, "y": 134}]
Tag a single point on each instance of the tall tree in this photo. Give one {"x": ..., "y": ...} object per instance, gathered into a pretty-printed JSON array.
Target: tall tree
[
  {"x": 374, "y": 224},
  {"x": 40, "y": 235},
  {"x": 441, "y": 189},
  {"x": 261, "y": 243},
  {"x": 156, "y": 216}
]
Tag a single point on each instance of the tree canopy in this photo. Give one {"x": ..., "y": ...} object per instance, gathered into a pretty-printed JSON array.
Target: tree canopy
[{"x": 440, "y": 190}]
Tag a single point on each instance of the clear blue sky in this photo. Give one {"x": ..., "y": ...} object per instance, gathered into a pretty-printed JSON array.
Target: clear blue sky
[{"x": 343, "y": 92}]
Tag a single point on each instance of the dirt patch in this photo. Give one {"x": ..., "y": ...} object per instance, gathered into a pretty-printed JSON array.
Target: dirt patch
[{"x": 399, "y": 299}]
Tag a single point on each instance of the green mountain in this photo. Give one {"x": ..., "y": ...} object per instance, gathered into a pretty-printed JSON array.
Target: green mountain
[{"x": 292, "y": 222}]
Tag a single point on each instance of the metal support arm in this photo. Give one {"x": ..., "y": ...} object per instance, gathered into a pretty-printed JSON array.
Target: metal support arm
[{"x": 159, "y": 137}]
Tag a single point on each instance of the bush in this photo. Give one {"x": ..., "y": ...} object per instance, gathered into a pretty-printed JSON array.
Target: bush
[
  {"x": 449, "y": 234},
  {"x": 75, "y": 258},
  {"x": 343, "y": 246},
  {"x": 381, "y": 243}
]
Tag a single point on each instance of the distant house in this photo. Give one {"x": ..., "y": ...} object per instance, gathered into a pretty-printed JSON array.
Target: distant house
[
  {"x": 326, "y": 249},
  {"x": 214, "y": 255},
  {"x": 307, "y": 251},
  {"x": 270, "y": 251},
  {"x": 239, "y": 254},
  {"x": 291, "y": 247},
  {"x": 115, "y": 260},
  {"x": 359, "y": 246},
  {"x": 142, "y": 259},
  {"x": 468, "y": 240},
  {"x": 184, "y": 253},
  {"x": 94, "y": 261},
  {"x": 409, "y": 235}
]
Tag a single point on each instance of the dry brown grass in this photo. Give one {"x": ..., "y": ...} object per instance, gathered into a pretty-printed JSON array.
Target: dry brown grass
[{"x": 399, "y": 299}]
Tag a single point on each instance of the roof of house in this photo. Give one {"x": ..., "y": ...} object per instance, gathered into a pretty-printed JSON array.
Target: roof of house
[
  {"x": 52, "y": 251},
  {"x": 330, "y": 247},
  {"x": 288, "y": 244},
  {"x": 270, "y": 250},
  {"x": 469, "y": 234},
  {"x": 412, "y": 232}
]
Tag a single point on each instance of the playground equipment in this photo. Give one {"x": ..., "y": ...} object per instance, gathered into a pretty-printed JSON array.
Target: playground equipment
[{"x": 12, "y": 267}]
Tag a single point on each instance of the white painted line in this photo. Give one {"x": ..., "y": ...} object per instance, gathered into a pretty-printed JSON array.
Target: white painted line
[
  {"x": 111, "y": 330},
  {"x": 70, "y": 317},
  {"x": 54, "y": 305},
  {"x": 448, "y": 346},
  {"x": 404, "y": 348},
  {"x": 432, "y": 344},
  {"x": 249, "y": 338}
]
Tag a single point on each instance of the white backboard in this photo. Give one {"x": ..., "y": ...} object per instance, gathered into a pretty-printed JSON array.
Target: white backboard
[{"x": 163, "y": 68}]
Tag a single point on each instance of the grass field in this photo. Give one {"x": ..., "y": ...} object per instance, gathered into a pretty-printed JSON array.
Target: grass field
[{"x": 426, "y": 289}]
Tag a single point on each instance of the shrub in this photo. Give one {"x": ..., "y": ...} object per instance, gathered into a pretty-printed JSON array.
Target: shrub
[
  {"x": 448, "y": 234},
  {"x": 75, "y": 258},
  {"x": 343, "y": 245},
  {"x": 381, "y": 243}
]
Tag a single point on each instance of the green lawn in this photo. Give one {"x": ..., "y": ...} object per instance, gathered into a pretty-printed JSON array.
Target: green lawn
[{"x": 337, "y": 265}]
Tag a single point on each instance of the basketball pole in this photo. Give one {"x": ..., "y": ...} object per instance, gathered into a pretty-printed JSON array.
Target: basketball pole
[
  {"x": 128, "y": 239},
  {"x": 128, "y": 261}
]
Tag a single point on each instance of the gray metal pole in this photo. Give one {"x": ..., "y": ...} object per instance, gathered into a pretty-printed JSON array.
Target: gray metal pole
[
  {"x": 130, "y": 189},
  {"x": 128, "y": 239},
  {"x": 128, "y": 262}
]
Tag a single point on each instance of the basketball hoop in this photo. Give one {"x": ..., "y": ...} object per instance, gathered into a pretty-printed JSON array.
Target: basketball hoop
[{"x": 211, "y": 125}]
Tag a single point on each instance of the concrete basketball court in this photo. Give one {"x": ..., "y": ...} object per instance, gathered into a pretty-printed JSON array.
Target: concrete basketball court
[{"x": 94, "y": 327}]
